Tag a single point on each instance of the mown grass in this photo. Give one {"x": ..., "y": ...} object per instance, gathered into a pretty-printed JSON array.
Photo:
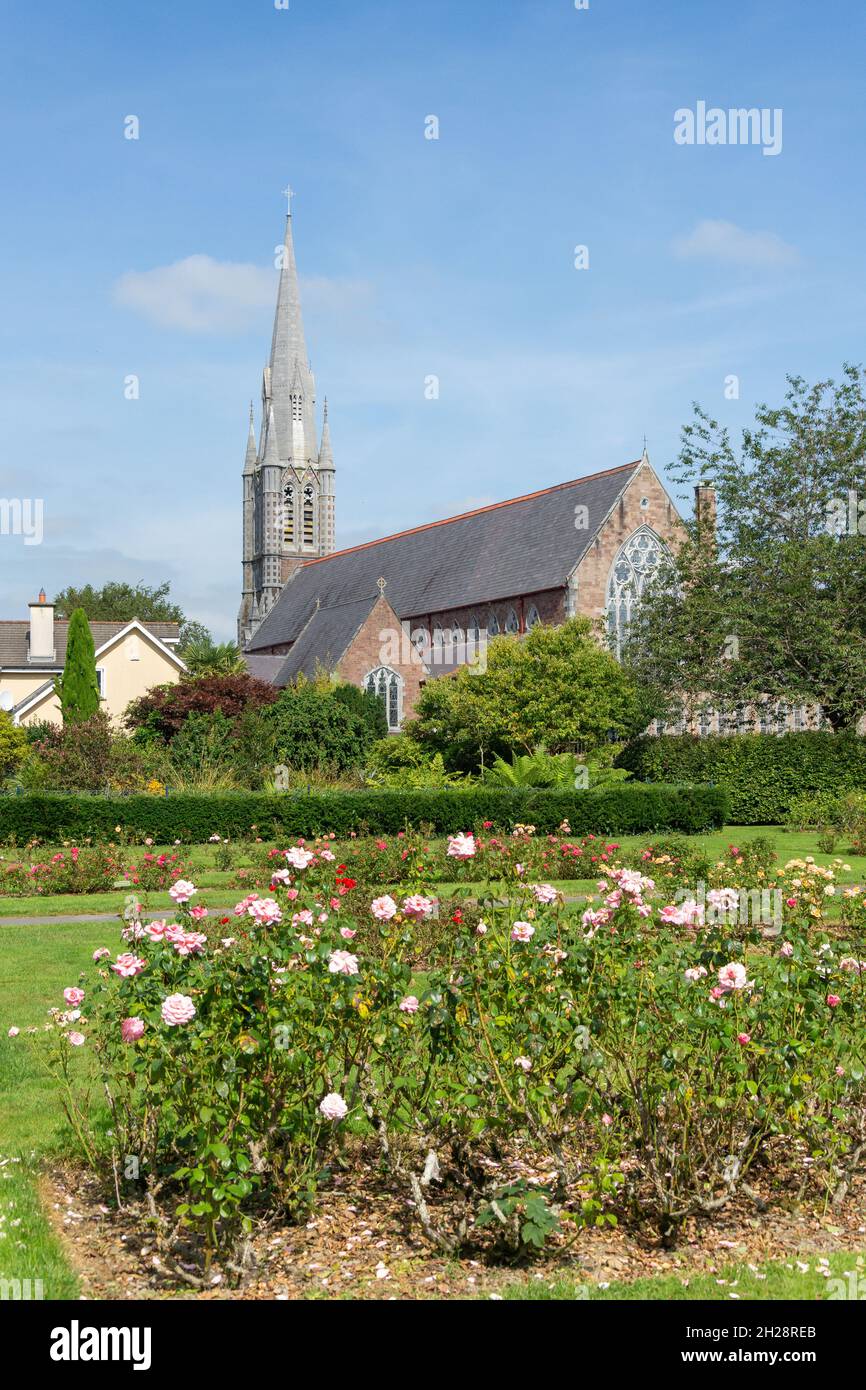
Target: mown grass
[
  {"x": 37, "y": 964},
  {"x": 200, "y": 862},
  {"x": 799, "y": 1278}
]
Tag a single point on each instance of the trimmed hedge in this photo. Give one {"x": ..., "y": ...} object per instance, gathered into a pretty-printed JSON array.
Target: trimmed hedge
[
  {"x": 762, "y": 772},
  {"x": 620, "y": 810}
]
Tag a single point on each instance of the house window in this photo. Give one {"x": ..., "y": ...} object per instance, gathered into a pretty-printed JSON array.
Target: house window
[
  {"x": 438, "y": 637},
  {"x": 420, "y": 640},
  {"x": 512, "y": 623},
  {"x": 637, "y": 562},
  {"x": 493, "y": 625},
  {"x": 289, "y": 514},
  {"x": 473, "y": 629},
  {"x": 308, "y": 514},
  {"x": 389, "y": 687},
  {"x": 457, "y": 635},
  {"x": 100, "y": 681},
  {"x": 532, "y": 618}
]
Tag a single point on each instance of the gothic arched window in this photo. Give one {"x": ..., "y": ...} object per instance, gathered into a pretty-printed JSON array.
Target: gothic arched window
[
  {"x": 308, "y": 514},
  {"x": 639, "y": 559},
  {"x": 297, "y": 407},
  {"x": 533, "y": 618},
  {"x": 493, "y": 625},
  {"x": 512, "y": 623},
  {"x": 389, "y": 687},
  {"x": 420, "y": 640},
  {"x": 438, "y": 637},
  {"x": 473, "y": 629},
  {"x": 289, "y": 514}
]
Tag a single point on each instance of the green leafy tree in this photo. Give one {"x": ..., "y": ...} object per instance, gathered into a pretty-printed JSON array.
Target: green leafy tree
[
  {"x": 771, "y": 603},
  {"x": 312, "y": 729},
  {"x": 13, "y": 746},
  {"x": 117, "y": 602},
  {"x": 78, "y": 687},
  {"x": 204, "y": 657},
  {"x": 557, "y": 687}
]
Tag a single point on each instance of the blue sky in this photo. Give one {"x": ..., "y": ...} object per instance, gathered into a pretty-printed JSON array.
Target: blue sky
[{"x": 452, "y": 257}]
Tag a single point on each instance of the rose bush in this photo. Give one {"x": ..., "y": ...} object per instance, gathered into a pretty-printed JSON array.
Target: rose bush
[{"x": 647, "y": 1055}]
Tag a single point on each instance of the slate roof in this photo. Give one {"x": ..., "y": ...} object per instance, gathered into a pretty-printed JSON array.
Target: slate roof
[
  {"x": 14, "y": 645},
  {"x": 522, "y": 546},
  {"x": 325, "y": 638}
]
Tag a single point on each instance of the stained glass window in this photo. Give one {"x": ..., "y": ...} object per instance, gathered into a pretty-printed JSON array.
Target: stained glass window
[{"x": 638, "y": 560}]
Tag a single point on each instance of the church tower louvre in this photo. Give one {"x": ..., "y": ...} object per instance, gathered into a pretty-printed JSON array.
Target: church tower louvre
[{"x": 288, "y": 480}]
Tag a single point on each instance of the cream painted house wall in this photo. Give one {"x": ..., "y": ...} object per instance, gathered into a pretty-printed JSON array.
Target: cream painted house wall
[{"x": 131, "y": 663}]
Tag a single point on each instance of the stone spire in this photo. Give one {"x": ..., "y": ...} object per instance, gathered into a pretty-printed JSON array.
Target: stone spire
[
  {"x": 250, "y": 459},
  {"x": 290, "y": 383},
  {"x": 326, "y": 455}
]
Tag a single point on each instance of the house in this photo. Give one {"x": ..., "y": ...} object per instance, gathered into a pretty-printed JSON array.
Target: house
[{"x": 131, "y": 657}]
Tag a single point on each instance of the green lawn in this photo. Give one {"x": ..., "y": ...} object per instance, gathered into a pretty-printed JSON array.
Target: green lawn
[
  {"x": 779, "y": 1280},
  {"x": 216, "y": 894},
  {"x": 37, "y": 964}
]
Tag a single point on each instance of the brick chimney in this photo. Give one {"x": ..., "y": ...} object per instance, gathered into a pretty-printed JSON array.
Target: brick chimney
[
  {"x": 41, "y": 646},
  {"x": 705, "y": 512}
]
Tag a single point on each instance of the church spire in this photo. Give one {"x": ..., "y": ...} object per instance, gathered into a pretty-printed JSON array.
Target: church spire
[
  {"x": 250, "y": 459},
  {"x": 289, "y": 361},
  {"x": 326, "y": 455}
]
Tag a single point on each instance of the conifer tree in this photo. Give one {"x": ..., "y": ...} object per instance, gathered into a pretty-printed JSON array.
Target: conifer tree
[{"x": 78, "y": 687}]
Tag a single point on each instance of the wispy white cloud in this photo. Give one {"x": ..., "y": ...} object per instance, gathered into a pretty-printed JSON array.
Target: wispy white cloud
[
  {"x": 201, "y": 295},
  {"x": 724, "y": 241}
]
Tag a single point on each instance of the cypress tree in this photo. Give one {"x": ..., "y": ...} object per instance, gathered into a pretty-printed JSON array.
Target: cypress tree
[{"x": 78, "y": 687}]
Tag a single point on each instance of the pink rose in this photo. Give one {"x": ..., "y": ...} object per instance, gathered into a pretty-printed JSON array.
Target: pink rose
[
  {"x": 523, "y": 1063},
  {"x": 128, "y": 965},
  {"x": 101, "y": 952},
  {"x": 176, "y": 1009},
  {"x": 833, "y": 1000},
  {"x": 744, "y": 1039},
  {"x": 197, "y": 913},
  {"x": 131, "y": 1029},
  {"x": 544, "y": 893},
  {"x": 342, "y": 963},
  {"x": 73, "y": 996},
  {"x": 75, "y": 1039},
  {"x": 13, "y": 1032},
  {"x": 347, "y": 934},
  {"x": 409, "y": 1005},
  {"x": 733, "y": 976},
  {"x": 182, "y": 890},
  {"x": 522, "y": 931},
  {"x": 786, "y": 949},
  {"x": 299, "y": 858},
  {"x": 417, "y": 906},
  {"x": 384, "y": 908}
]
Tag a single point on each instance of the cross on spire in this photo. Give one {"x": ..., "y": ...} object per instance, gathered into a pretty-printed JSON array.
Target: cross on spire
[{"x": 288, "y": 194}]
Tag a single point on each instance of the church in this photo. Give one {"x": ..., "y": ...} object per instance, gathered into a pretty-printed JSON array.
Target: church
[{"x": 391, "y": 614}]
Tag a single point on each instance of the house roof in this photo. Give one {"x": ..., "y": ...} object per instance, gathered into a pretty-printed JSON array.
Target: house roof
[
  {"x": 324, "y": 639},
  {"x": 521, "y": 546},
  {"x": 14, "y": 644}
]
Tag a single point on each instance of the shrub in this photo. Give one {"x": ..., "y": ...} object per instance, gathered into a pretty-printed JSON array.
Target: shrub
[
  {"x": 162, "y": 712},
  {"x": 764, "y": 773},
  {"x": 628, "y": 809},
  {"x": 13, "y": 746},
  {"x": 86, "y": 756},
  {"x": 313, "y": 728}
]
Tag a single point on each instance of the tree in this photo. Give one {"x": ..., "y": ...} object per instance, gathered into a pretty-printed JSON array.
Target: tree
[
  {"x": 204, "y": 657},
  {"x": 78, "y": 687},
  {"x": 13, "y": 746},
  {"x": 162, "y": 711},
  {"x": 771, "y": 603},
  {"x": 118, "y": 602},
  {"x": 556, "y": 687},
  {"x": 313, "y": 729}
]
